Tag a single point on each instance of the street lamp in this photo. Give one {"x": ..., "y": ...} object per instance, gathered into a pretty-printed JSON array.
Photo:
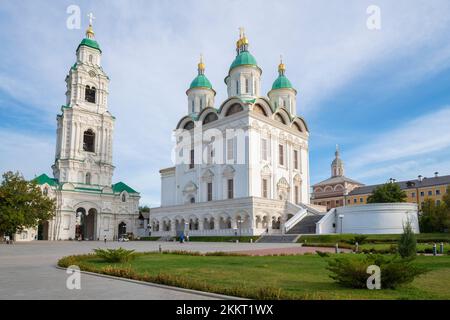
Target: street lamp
[
  {"x": 341, "y": 217},
  {"x": 240, "y": 228},
  {"x": 186, "y": 227}
]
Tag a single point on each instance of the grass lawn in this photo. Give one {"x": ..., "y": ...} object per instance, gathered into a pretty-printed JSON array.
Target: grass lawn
[{"x": 297, "y": 277}]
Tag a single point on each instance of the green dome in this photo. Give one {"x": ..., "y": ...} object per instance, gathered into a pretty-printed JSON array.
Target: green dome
[
  {"x": 201, "y": 81},
  {"x": 281, "y": 83},
  {"x": 89, "y": 43},
  {"x": 244, "y": 58}
]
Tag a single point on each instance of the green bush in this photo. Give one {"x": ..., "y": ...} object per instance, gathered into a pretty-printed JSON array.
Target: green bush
[
  {"x": 322, "y": 254},
  {"x": 115, "y": 255},
  {"x": 407, "y": 245},
  {"x": 352, "y": 273},
  {"x": 358, "y": 239}
]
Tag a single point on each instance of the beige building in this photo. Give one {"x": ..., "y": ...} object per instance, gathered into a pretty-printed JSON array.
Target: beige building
[
  {"x": 332, "y": 191},
  {"x": 417, "y": 190}
]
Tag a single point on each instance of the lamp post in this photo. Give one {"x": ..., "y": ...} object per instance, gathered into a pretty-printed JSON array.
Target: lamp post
[
  {"x": 186, "y": 229},
  {"x": 341, "y": 218},
  {"x": 240, "y": 228}
]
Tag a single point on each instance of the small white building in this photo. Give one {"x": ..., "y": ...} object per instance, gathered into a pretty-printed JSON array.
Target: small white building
[{"x": 89, "y": 206}]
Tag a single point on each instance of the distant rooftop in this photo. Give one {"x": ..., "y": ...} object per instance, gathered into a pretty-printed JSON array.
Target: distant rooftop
[{"x": 407, "y": 184}]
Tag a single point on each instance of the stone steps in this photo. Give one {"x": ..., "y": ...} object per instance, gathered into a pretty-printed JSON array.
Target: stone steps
[{"x": 306, "y": 226}]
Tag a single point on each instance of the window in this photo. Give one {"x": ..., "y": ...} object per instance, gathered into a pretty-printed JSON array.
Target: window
[
  {"x": 201, "y": 103},
  {"x": 361, "y": 200},
  {"x": 192, "y": 200},
  {"x": 438, "y": 192},
  {"x": 89, "y": 94},
  {"x": 422, "y": 194},
  {"x": 281, "y": 154},
  {"x": 209, "y": 187},
  {"x": 246, "y": 86},
  {"x": 295, "y": 159},
  {"x": 191, "y": 163},
  {"x": 430, "y": 193},
  {"x": 230, "y": 149},
  {"x": 230, "y": 188},
  {"x": 88, "y": 178},
  {"x": 264, "y": 149},
  {"x": 192, "y": 106},
  {"x": 45, "y": 192},
  {"x": 89, "y": 141},
  {"x": 124, "y": 197},
  {"x": 90, "y": 58},
  {"x": 296, "y": 194},
  {"x": 264, "y": 188},
  {"x": 348, "y": 201},
  {"x": 237, "y": 86},
  {"x": 438, "y": 202},
  {"x": 413, "y": 194},
  {"x": 210, "y": 118},
  {"x": 355, "y": 200}
]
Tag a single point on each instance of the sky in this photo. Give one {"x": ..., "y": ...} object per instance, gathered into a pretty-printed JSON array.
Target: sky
[{"x": 383, "y": 95}]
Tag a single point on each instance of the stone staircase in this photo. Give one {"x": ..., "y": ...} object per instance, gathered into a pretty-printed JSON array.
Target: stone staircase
[
  {"x": 278, "y": 238},
  {"x": 307, "y": 225}
]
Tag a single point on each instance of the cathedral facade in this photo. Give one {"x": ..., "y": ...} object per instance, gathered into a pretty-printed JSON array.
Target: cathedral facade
[
  {"x": 88, "y": 205},
  {"x": 241, "y": 167}
]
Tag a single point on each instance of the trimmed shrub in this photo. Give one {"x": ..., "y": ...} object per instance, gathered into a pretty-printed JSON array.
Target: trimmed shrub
[
  {"x": 115, "y": 255},
  {"x": 352, "y": 273}
]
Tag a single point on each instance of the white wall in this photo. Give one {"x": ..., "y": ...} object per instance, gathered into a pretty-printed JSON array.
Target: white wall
[{"x": 379, "y": 218}]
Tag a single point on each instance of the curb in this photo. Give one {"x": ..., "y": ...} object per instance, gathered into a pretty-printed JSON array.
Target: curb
[{"x": 162, "y": 286}]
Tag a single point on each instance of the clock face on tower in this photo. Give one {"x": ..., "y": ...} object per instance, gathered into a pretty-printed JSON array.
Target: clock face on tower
[{"x": 92, "y": 73}]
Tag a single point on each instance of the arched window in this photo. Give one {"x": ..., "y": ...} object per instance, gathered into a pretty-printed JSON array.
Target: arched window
[
  {"x": 210, "y": 118},
  {"x": 89, "y": 141},
  {"x": 237, "y": 86},
  {"x": 124, "y": 197},
  {"x": 258, "y": 109},
  {"x": 192, "y": 200},
  {"x": 90, "y": 58},
  {"x": 279, "y": 118},
  {"x": 235, "y": 108},
  {"x": 89, "y": 94},
  {"x": 45, "y": 192},
  {"x": 193, "y": 108},
  {"x": 189, "y": 125},
  {"x": 88, "y": 178},
  {"x": 246, "y": 86}
]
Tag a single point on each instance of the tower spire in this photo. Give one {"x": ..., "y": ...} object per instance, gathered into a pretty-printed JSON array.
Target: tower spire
[
  {"x": 90, "y": 31},
  {"x": 242, "y": 43},
  {"x": 281, "y": 66},
  {"x": 201, "y": 65}
]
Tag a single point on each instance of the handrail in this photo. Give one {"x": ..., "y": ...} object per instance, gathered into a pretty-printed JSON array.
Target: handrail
[{"x": 288, "y": 225}]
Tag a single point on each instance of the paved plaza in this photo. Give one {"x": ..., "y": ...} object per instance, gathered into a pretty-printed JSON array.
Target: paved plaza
[{"x": 28, "y": 270}]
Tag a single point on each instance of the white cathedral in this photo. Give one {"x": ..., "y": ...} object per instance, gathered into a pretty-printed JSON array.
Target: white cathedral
[
  {"x": 254, "y": 178},
  {"x": 88, "y": 205}
]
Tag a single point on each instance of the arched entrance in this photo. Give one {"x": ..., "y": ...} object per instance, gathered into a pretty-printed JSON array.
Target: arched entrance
[
  {"x": 122, "y": 230},
  {"x": 43, "y": 231},
  {"x": 85, "y": 224}
]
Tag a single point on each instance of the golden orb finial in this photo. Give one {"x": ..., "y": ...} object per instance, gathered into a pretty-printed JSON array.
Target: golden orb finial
[
  {"x": 201, "y": 65},
  {"x": 90, "y": 31},
  {"x": 281, "y": 66}
]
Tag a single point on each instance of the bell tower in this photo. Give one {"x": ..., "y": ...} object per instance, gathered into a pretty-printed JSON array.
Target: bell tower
[{"x": 85, "y": 126}]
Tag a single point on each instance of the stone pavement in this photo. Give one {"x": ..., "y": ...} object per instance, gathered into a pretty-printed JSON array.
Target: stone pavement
[{"x": 27, "y": 270}]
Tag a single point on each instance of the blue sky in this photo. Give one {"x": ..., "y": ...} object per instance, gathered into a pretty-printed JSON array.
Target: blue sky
[{"x": 383, "y": 96}]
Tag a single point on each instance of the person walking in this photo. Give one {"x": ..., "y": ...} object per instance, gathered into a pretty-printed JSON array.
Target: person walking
[{"x": 104, "y": 238}]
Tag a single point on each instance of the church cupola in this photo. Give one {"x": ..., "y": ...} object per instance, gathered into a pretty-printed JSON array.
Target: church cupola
[
  {"x": 337, "y": 166},
  {"x": 244, "y": 76},
  {"x": 200, "y": 93},
  {"x": 88, "y": 50},
  {"x": 282, "y": 93}
]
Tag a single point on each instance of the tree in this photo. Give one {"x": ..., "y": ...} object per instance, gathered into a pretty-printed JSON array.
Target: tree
[
  {"x": 386, "y": 193},
  {"x": 407, "y": 244},
  {"x": 22, "y": 204},
  {"x": 144, "y": 209},
  {"x": 435, "y": 217}
]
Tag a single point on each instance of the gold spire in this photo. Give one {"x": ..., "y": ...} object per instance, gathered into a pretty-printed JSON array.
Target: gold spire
[
  {"x": 201, "y": 65},
  {"x": 242, "y": 43},
  {"x": 90, "y": 31},
  {"x": 281, "y": 66}
]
